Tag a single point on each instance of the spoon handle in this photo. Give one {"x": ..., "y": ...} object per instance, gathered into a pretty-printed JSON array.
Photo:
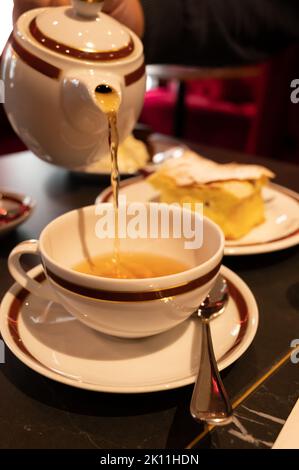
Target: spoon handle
[{"x": 209, "y": 400}]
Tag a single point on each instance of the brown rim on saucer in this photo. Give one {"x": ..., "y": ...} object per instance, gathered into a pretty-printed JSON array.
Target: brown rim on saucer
[
  {"x": 13, "y": 315},
  {"x": 144, "y": 175},
  {"x": 132, "y": 296},
  {"x": 21, "y": 296},
  {"x": 64, "y": 49},
  {"x": 54, "y": 72}
]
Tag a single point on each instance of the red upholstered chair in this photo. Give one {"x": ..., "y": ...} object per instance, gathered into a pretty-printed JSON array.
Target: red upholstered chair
[
  {"x": 158, "y": 110},
  {"x": 241, "y": 109},
  {"x": 275, "y": 131},
  {"x": 221, "y": 112},
  {"x": 217, "y": 112}
]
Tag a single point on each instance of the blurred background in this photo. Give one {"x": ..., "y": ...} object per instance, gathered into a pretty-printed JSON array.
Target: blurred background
[
  {"x": 246, "y": 109},
  {"x": 6, "y": 21}
]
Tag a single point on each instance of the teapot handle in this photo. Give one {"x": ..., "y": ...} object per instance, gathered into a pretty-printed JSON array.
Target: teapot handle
[{"x": 88, "y": 8}]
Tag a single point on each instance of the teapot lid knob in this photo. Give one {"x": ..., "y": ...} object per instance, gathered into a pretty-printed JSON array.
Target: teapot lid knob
[{"x": 88, "y": 8}]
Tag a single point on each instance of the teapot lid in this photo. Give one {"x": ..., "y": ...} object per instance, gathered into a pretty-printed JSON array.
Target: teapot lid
[{"x": 82, "y": 32}]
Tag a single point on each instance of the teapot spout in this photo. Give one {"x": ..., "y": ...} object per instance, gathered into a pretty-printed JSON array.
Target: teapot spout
[
  {"x": 108, "y": 98},
  {"x": 87, "y": 96}
]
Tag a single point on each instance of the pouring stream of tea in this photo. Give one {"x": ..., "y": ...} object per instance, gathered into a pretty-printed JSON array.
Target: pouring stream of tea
[{"x": 108, "y": 101}]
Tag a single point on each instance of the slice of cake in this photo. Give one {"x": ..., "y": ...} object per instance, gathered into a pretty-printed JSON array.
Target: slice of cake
[{"x": 230, "y": 193}]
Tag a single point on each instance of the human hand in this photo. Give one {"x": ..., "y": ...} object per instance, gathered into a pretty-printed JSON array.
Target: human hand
[
  {"x": 20, "y": 6},
  {"x": 128, "y": 12}
]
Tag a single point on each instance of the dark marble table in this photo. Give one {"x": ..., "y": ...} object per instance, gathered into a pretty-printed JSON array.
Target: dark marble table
[{"x": 36, "y": 412}]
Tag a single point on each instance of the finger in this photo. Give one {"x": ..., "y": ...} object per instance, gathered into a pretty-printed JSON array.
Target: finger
[{"x": 57, "y": 3}]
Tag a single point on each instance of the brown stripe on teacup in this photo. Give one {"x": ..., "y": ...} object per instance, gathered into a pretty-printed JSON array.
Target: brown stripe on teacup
[
  {"x": 63, "y": 49},
  {"x": 54, "y": 72},
  {"x": 132, "y": 296}
]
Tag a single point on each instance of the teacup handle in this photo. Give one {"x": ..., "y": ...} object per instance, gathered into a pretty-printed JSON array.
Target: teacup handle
[{"x": 21, "y": 276}]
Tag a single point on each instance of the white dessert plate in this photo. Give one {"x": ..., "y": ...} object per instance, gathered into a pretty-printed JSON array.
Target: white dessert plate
[
  {"x": 280, "y": 229},
  {"x": 18, "y": 207},
  {"x": 50, "y": 341},
  {"x": 158, "y": 147}
]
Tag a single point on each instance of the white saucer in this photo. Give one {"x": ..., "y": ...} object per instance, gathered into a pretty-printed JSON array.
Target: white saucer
[
  {"x": 279, "y": 231},
  {"x": 50, "y": 341}
]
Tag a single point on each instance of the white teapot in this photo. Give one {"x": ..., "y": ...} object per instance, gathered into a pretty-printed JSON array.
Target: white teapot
[{"x": 54, "y": 61}]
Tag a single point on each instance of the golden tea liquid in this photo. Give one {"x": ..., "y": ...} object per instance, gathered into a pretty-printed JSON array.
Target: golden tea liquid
[
  {"x": 108, "y": 101},
  {"x": 131, "y": 266}
]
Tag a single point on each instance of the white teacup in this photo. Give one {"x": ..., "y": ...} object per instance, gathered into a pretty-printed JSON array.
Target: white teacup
[{"x": 130, "y": 308}]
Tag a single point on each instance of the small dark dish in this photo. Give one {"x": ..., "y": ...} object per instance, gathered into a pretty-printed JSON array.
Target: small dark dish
[{"x": 14, "y": 210}]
